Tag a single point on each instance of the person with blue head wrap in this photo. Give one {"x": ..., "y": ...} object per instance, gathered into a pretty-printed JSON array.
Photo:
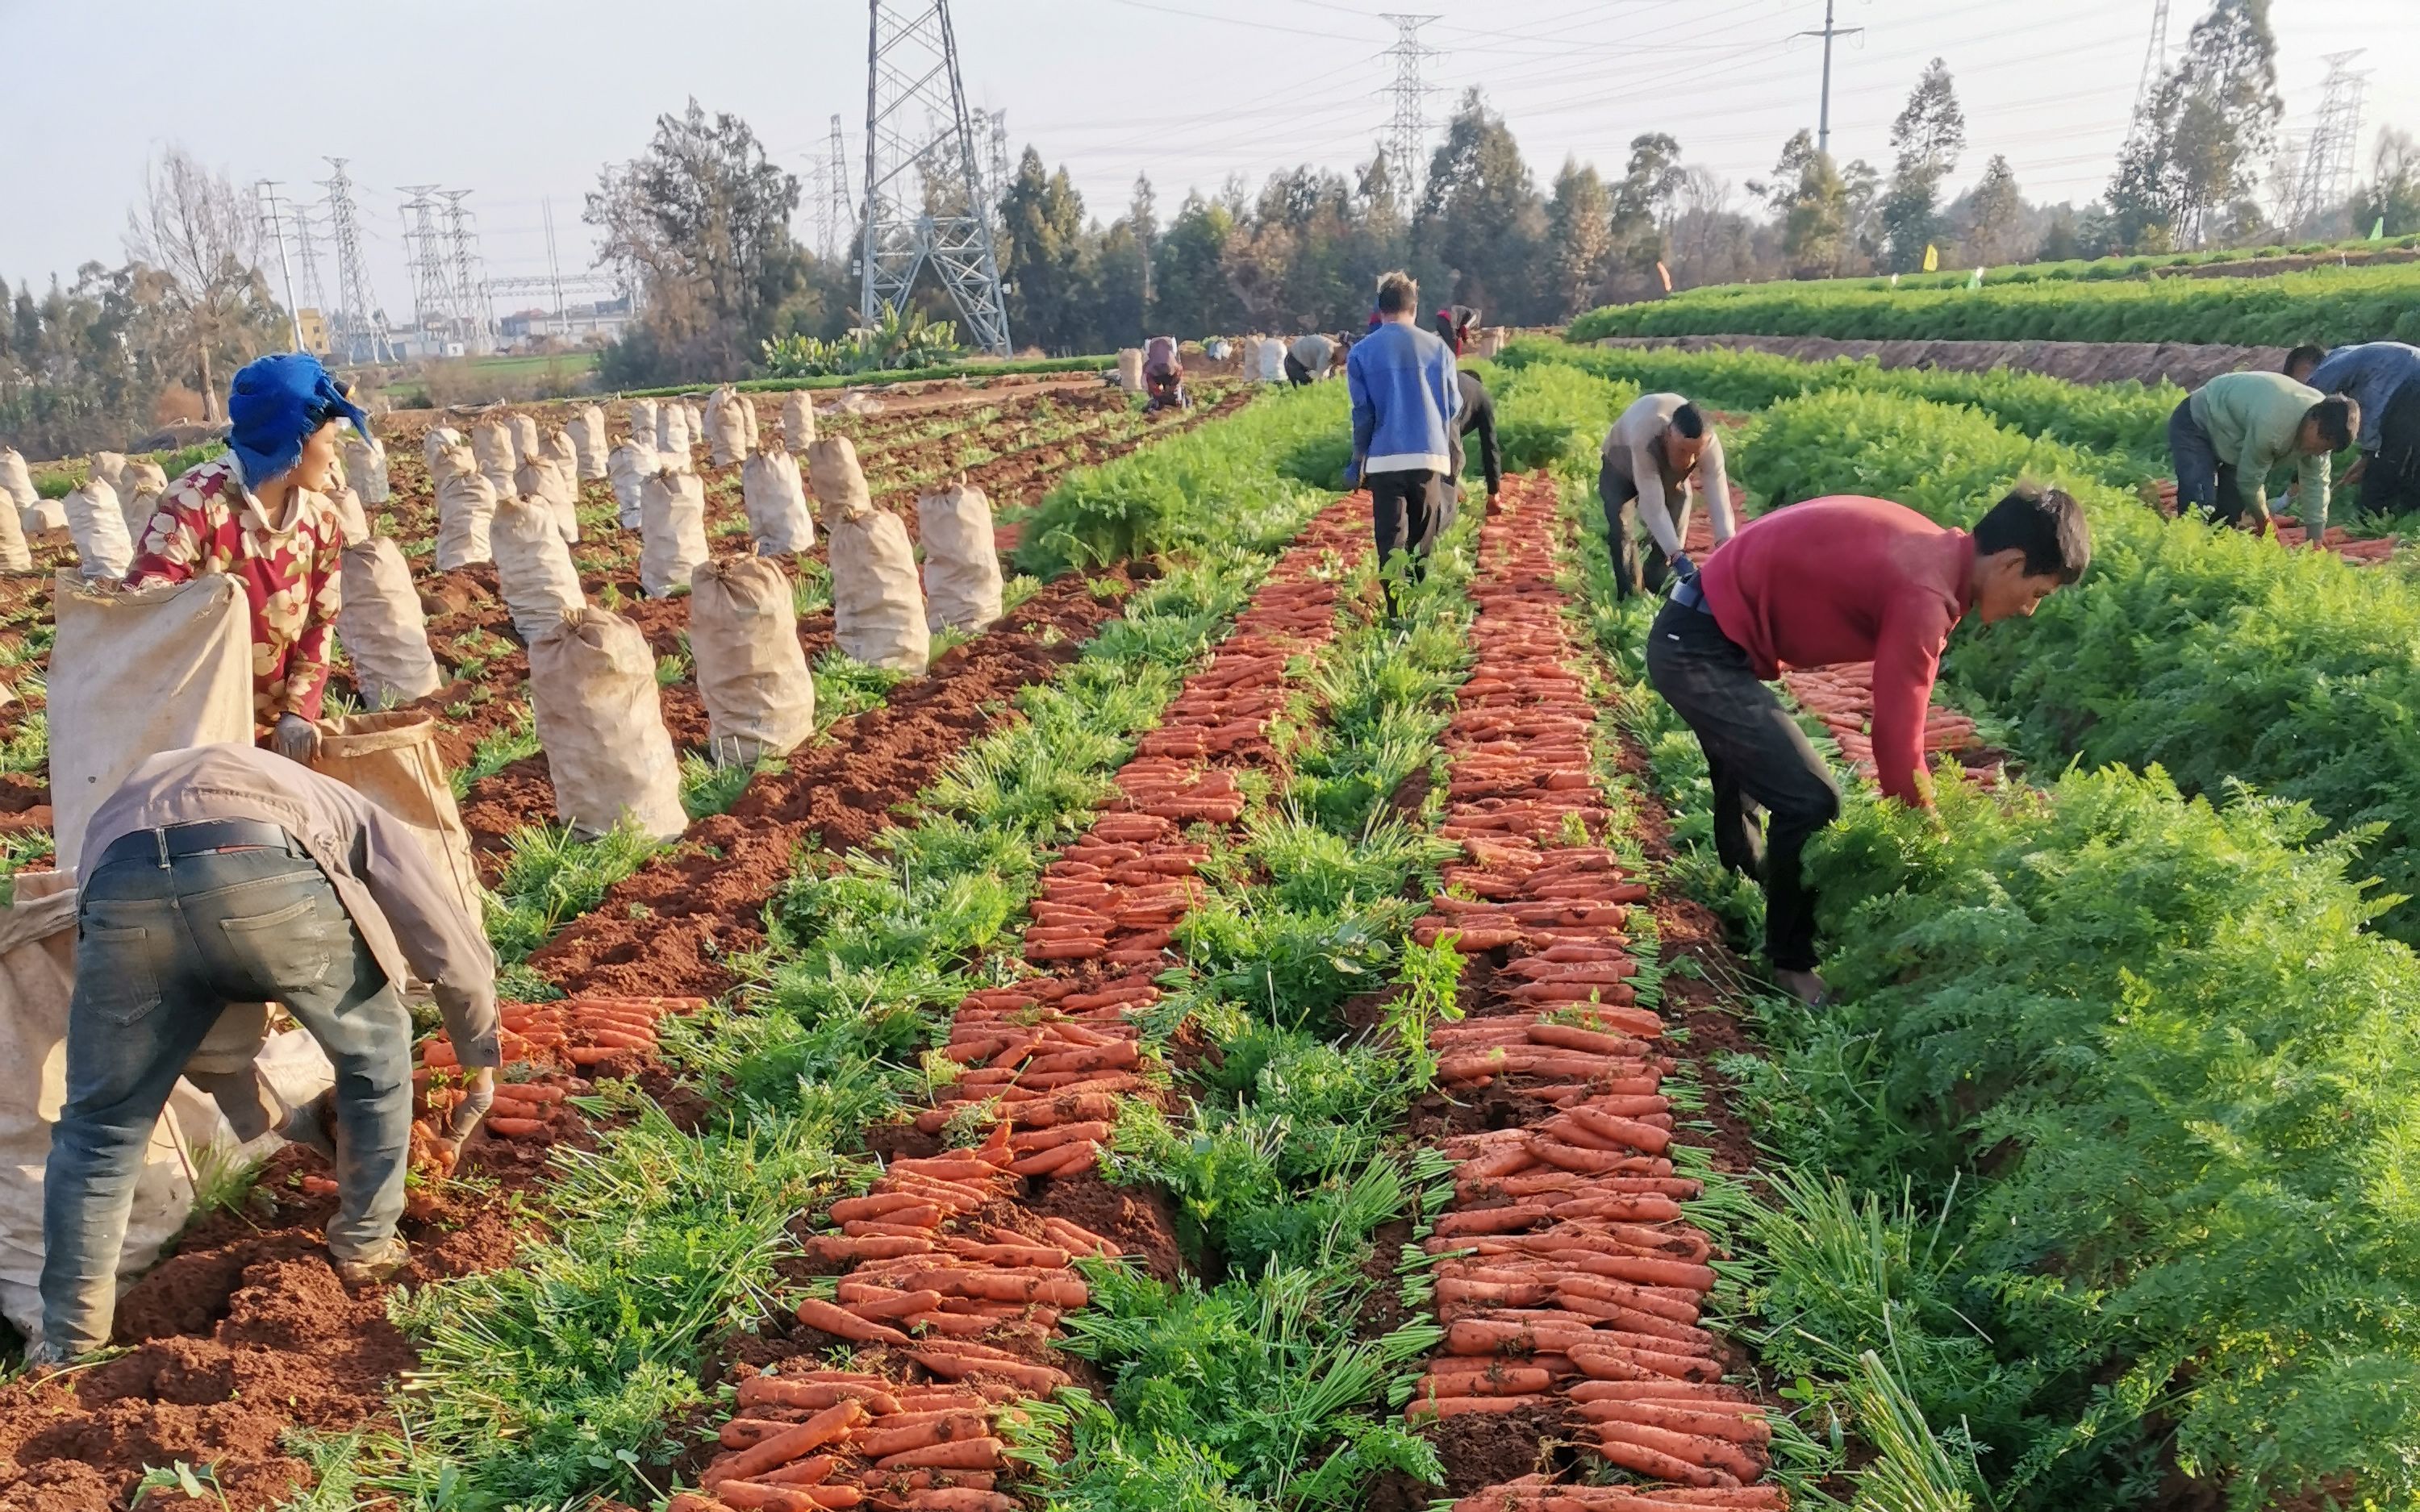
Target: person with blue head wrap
[{"x": 261, "y": 515}]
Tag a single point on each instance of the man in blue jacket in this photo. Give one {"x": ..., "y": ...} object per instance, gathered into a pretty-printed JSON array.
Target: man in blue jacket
[{"x": 1404, "y": 400}]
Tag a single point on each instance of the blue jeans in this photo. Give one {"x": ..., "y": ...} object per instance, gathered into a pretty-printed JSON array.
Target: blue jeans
[
  {"x": 161, "y": 950},
  {"x": 2203, "y": 482}
]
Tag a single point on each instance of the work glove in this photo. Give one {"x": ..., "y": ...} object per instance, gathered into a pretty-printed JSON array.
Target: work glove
[
  {"x": 478, "y": 1095},
  {"x": 1685, "y": 570},
  {"x": 295, "y": 738}
]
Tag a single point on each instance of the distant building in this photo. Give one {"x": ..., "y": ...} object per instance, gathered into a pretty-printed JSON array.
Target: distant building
[
  {"x": 311, "y": 329},
  {"x": 576, "y": 325}
]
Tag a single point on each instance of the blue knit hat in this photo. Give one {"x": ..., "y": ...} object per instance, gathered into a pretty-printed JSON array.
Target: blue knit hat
[{"x": 276, "y": 405}]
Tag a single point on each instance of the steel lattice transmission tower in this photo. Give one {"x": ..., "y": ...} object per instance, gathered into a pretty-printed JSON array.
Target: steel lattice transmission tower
[
  {"x": 835, "y": 207},
  {"x": 356, "y": 325},
  {"x": 1407, "y": 130},
  {"x": 473, "y": 305},
  {"x": 2328, "y": 167},
  {"x": 423, "y": 249},
  {"x": 2155, "y": 57},
  {"x": 924, "y": 180}
]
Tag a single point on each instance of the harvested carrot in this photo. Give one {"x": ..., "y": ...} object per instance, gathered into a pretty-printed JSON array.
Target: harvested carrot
[
  {"x": 1421, "y": 1407},
  {"x": 960, "y": 1499},
  {"x": 776, "y": 1391},
  {"x": 944, "y": 1428},
  {"x": 840, "y": 1323},
  {"x": 1696, "y": 1449},
  {"x": 516, "y": 1128},
  {"x": 751, "y": 1496},
  {"x": 950, "y": 1362},
  {"x": 964, "y": 1454},
  {"x": 826, "y": 1426}
]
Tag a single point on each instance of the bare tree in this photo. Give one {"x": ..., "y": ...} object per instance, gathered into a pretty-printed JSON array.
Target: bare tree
[{"x": 201, "y": 237}]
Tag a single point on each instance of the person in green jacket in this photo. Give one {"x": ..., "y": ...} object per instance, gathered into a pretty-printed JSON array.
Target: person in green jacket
[{"x": 2232, "y": 431}]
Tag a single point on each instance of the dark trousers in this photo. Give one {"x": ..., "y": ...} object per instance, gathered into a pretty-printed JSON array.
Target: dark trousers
[
  {"x": 1402, "y": 519},
  {"x": 1759, "y": 759},
  {"x": 2391, "y": 484},
  {"x": 1296, "y": 372},
  {"x": 2203, "y": 481},
  {"x": 1619, "y": 494}
]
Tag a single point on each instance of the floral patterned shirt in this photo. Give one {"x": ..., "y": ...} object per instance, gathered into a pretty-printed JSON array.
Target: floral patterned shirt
[{"x": 209, "y": 521}]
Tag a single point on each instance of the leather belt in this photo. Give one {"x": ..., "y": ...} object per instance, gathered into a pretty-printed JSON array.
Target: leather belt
[{"x": 201, "y": 838}]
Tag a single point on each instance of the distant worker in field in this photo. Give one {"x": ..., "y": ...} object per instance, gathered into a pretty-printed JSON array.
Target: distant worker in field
[
  {"x": 261, "y": 513},
  {"x": 221, "y": 875},
  {"x": 1833, "y": 580},
  {"x": 1163, "y": 377},
  {"x": 1404, "y": 403},
  {"x": 1455, "y": 325},
  {"x": 1479, "y": 414},
  {"x": 2383, "y": 379},
  {"x": 2229, "y": 434},
  {"x": 1651, "y": 458},
  {"x": 1308, "y": 358}
]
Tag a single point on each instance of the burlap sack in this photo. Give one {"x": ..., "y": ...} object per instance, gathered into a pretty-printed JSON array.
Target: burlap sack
[
  {"x": 383, "y": 628},
  {"x": 527, "y": 440},
  {"x": 696, "y": 421},
  {"x": 392, "y": 759},
  {"x": 629, "y": 467},
  {"x": 45, "y": 515},
  {"x": 135, "y": 672},
  {"x": 138, "y": 510},
  {"x": 492, "y": 451},
  {"x": 547, "y": 482},
  {"x": 139, "y": 476},
  {"x": 593, "y": 689},
  {"x": 533, "y": 568},
  {"x": 14, "y": 554},
  {"x": 751, "y": 673},
  {"x": 673, "y": 434},
  {"x": 643, "y": 422},
  {"x": 15, "y": 481},
  {"x": 838, "y": 482},
  {"x": 352, "y": 521},
  {"x": 109, "y": 467},
  {"x": 466, "y": 502},
  {"x": 776, "y": 501},
  {"x": 588, "y": 442},
  {"x": 877, "y": 609},
  {"x": 1270, "y": 361},
  {"x": 1130, "y": 369},
  {"x": 961, "y": 559},
  {"x": 730, "y": 425},
  {"x": 365, "y": 467},
  {"x": 563, "y": 452},
  {"x": 672, "y": 527},
  {"x": 99, "y": 526},
  {"x": 797, "y": 420},
  {"x": 439, "y": 439}
]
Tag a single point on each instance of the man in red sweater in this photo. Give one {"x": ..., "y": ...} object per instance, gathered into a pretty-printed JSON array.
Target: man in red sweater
[{"x": 1831, "y": 580}]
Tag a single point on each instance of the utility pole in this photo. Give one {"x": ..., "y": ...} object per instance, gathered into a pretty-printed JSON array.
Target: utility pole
[
  {"x": 554, "y": 271},
  {"x": 1824, "y": 120},
  {"x": 918, "y": 132},
  {"x": 1407, "y": 127},
  {"x": 265, "y": 191}
]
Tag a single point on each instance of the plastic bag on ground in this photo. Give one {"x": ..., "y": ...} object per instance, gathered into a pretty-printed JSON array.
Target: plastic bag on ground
[
  {"x": 493, "y": 451},
  {"x": 776, "y": 501},
  {"x": 962, "y": 581},
  {"x": 589, "y": 445},
  {"x": 393, "y": 759},
  {"x": 751, "y": 673},
  {"x": 533, "y": 568},
  {"x": 365, "y": 467},
  {"x": 99, "y": 526},
  {"x": 601, "y": 722},
  {"x": 383, "y": 628},
  {"x": 730, "y": 425},
  {"x": 135, "y": 672},
  {"x": 672, "y": 527},
  {"x": 798, "y": 421},
  {"x": 466, "y": 502},
  {"x": 629, "y": 467},
  {"x": 15, "y": 480}
]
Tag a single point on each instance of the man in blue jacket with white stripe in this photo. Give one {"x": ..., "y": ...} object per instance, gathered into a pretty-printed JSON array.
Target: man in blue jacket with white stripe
[{"x": 1404, "y": 399}]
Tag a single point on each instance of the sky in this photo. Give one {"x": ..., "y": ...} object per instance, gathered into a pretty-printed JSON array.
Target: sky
[{"x": 522, "y": 101}]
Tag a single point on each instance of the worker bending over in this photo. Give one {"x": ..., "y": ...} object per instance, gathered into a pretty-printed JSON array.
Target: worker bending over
[
  {"x": 2229, "y": 434},
  {"x": 1308, "y": 358},
  {"x": 1479, "y": 414},
  {"x": 1838, "y": 579},
  {"x": 228, "y": 874},
  {"x": 2383, "y": 379},
  {"x": 1653, "y": 452},
  {"x": 1163, "y": 377},
  {"x": 1456, "y": 324},
  {"x": 261, "y": 515},
  {"x": 1405, "y": 402}
]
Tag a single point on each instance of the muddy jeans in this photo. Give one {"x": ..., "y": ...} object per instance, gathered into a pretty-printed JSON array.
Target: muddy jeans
[
  {"x": 1758, "y": 757},
  {"x": 1618, "y": 493},
  {"x": 161, "y": 950}
]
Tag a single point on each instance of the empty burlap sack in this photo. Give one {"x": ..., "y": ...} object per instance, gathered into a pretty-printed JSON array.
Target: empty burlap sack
[
  {"x": 751, "y": 673},
  {"x": 466, "y": 502},
  {"x": 961, "y": 559},
  {"x": 672, "y": 435},
  {"x": 671, "y": 531},
  {"x": 99, "y": 527},
  {"x": 545, "y": 482},
  {"x": 526, "y": 439},
  {"x": 440, "y": 439},
  {"x": 15, "y": 481},
  {"x": 352, "y": 521},
  {"x": 492, "y": 451},
  {"x": 730, "y": 425},
  {"x": 797, "y": 420},
  {"x": 776, "y": 500},
  {"x": 135, "y": 672},
  {"x": 589, "y": 445},
  {"x": 392, "y": 761},
  {"x": 108, "y": 466},
  {"x": 365, "y": 467},
  {"x": 837, "y": 481},
  {"x": 628, "y": 468},
  {"x": 593, "y": 689},
  {"x": 533, "y": 568},
  {"x": 383, "y": 628},
  {"x": 877, "y": 609}
]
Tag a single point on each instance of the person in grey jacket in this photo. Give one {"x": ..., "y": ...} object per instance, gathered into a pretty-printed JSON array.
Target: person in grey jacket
[
  {"x": 2384, "y": 378},
  {"x": 222, "y": 876}
]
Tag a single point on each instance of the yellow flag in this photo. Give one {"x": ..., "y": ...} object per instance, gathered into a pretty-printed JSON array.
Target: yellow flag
[{"x": 1932, "y": 258}]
